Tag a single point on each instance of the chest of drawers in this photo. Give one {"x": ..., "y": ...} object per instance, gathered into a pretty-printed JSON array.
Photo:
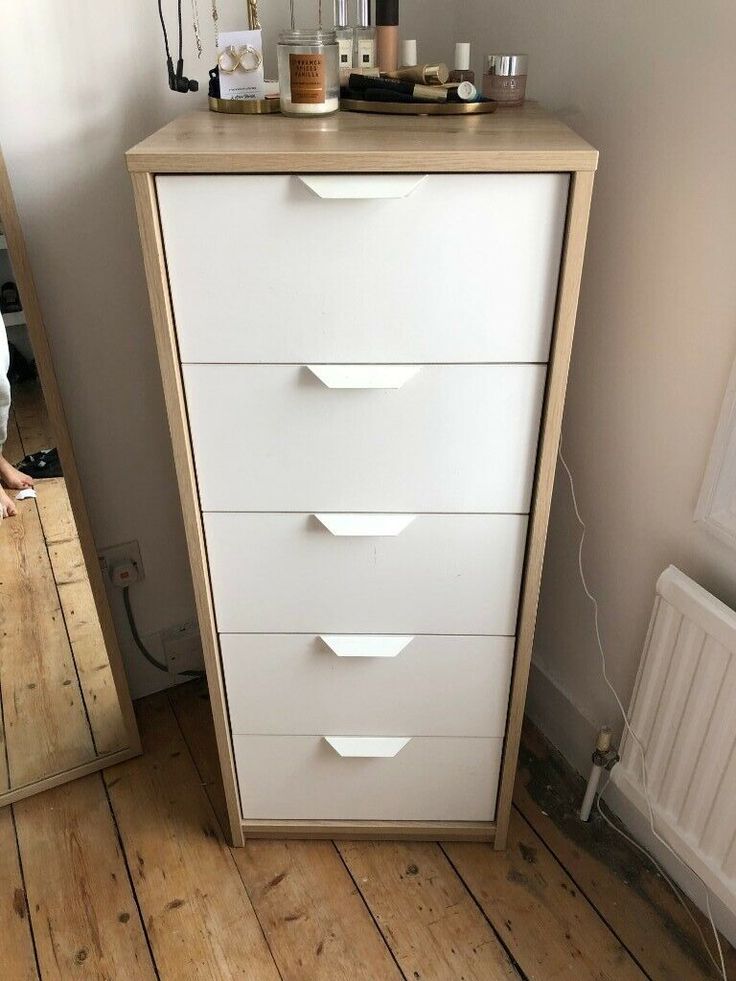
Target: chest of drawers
[{"x": 364, "y": 328}]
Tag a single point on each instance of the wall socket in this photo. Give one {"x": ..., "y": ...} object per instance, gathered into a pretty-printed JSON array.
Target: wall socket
[
  {"x": 182, "y": 647},
  {"x": 114, "y": 554}
]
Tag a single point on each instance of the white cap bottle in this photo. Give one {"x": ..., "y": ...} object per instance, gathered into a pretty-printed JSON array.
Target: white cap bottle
[{"x": 462, "y": 71}]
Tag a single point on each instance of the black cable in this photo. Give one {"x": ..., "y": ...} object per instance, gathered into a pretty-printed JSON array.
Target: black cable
[
  {"x": 137, "y": 637},
  {"x": 163, "y": 28},
  {"x": 142, "y": 647},
  {"x": 181, "y": 45}
]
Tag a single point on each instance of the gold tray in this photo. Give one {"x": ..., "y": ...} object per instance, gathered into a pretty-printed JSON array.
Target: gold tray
[
  {"x": 419, "y": 108},
  {"x": 246, "y": 107}
]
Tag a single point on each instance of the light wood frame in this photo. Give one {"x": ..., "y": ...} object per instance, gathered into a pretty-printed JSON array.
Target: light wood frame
[
  {"x": 44, "y": 363},
  {"x": 183, "y": 155}
]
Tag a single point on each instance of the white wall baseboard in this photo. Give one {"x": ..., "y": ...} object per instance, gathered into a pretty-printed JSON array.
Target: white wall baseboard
[{"x": 559, "y": 719}]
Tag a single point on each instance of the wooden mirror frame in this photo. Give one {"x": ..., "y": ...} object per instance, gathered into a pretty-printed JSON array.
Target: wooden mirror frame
[{"x": 47, "y": 377}]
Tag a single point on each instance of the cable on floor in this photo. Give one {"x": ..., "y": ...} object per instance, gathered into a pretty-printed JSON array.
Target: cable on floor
[
  {"x": 627, "y": 725},
  {"x": 142, "y": 647}
]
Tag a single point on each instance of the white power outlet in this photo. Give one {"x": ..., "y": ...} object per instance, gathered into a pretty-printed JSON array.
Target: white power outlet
[
  {"x": 182, "y": 647},
  {"x": 119, "y": 555}
]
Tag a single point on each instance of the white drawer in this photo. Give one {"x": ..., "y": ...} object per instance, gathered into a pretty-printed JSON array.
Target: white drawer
[
  {"x": 283, "y": 684},
  {"x": 286, "y": 438},
  {"x": 263, "y": 269},
  {"x": 441, "y": 574},
  {"x": 430, "y": 779}
]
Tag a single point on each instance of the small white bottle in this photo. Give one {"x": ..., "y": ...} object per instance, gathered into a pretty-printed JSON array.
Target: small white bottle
[
  {"x": 365, "y": 38},
  {"x": 408, "y": 56},
  {"x": 344, "y": 34}
]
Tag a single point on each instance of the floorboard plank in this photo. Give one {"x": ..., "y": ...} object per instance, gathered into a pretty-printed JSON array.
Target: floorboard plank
[
  {"x": 191, "y": 705},
  {"x": 199, "y": 919},
  {"x": 426, "y": 914},
  {"x": 82, "y": 908},
  {"x": 627, "y": 892},
  {"x": 88, "y": 645},
  {"x": 32, "y": 417},
  {"x": 547, "y": 924},
  {"x": 314, "y": 918},
  {"x": 46, "y": 728},
  {"x": 16, "y": 942},
  {"x": 55, "y": 510},
  {"x": 316, "y": 924}
]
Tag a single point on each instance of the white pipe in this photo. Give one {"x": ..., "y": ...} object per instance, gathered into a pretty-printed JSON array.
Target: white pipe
[
  {"x": 590, "y": 791},
  {"x": 600, "y": 758}
]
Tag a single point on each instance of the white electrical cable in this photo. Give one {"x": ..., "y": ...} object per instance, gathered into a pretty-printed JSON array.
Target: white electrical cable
[{"x": 722, "y": 969}]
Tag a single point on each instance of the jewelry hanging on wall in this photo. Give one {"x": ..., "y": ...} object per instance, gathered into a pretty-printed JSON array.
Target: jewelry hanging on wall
[
  {"x": 253, "y": 22},
  {"x": 195, "y": 25},
  {"x": 215, "y": 21}
]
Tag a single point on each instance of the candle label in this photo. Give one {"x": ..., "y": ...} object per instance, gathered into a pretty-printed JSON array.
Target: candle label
[{"x": 307, "y": 73}]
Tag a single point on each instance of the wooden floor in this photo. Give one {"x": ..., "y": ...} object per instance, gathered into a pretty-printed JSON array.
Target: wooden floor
[
  {"x": 58, "y": 705},
  {"x": 125, "y": 875}
]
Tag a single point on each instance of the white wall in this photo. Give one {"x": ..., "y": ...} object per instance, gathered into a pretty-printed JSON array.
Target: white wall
[
  {"x": 81, "y": 82},
  {"x": 656, "y": 329},
  {"x": 650, "y": 84}
]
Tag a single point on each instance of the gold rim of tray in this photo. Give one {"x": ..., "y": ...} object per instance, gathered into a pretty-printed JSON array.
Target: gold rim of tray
[
  {"x": 245, "y": 107},
  {"x": 419, "y": 108}
]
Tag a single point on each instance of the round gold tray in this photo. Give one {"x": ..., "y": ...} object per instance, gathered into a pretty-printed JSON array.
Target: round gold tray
[
  {"x": 247, "y": 107},
  {"x": 419, "y": 108}
]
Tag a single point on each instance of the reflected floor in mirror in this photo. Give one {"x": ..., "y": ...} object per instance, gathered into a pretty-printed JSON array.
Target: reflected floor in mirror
[{"x": 58, "y": 703}]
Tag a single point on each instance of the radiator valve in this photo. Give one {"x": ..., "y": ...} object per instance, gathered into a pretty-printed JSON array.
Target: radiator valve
[{"x": 604, "y": 757}]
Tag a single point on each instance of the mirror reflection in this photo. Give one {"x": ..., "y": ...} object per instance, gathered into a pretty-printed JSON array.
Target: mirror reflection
[{"x": 59, "y": 706}]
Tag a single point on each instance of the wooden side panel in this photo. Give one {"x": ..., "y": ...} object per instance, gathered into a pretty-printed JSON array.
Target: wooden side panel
[
  {"x": 581, "y": 190},
  {"x": 83, "y": 911},
  {"x": 153, "y": 253}
]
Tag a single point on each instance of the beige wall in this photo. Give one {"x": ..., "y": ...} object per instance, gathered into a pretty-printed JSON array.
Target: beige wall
[
  {"x": 651, "y": 85},
  {"x": 79, "y": 84}
]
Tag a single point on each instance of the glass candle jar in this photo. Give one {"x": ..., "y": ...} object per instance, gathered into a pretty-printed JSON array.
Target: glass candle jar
[
  {"x": 504, "y": 79},
  {"x": 308, "y": 72}
]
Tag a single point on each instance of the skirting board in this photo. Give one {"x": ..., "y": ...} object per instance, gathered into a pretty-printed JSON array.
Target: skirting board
[
  {"x": 390, "y": 830},
  {"x": 555, "y": 715}
]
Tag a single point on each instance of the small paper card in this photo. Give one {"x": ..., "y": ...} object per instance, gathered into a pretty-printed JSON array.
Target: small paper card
[{"x": 240, "y": 60}]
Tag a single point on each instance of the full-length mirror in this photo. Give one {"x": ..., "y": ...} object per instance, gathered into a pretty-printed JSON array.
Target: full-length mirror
[{"x": 64, "y": 705}]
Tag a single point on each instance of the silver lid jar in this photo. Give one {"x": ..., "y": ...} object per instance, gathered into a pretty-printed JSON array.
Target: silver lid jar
[
  {"x": 505, "y": 64},
  {"x": 504, "y": 79}
]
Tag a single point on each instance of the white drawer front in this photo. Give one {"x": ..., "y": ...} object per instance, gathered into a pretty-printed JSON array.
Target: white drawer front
[
  {"x": 451, "y": 438},
  {"x": 283, "y": 684},
  {"x": 440, "y": 574},
  {"x": 430, "y": 779},
  {"x": 464, "y": 269}
]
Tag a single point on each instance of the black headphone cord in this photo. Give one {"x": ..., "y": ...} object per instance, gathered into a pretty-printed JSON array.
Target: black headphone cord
[
  {"x": 181, "y": 55},
  {"x": 163, "y": 28}
]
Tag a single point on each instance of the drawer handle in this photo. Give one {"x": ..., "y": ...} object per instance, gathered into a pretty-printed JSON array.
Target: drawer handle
[
  {"x": 367, "y": 746},
  {"x": 362, "y": 525},
  {"x": 363, "y": 645},
  {"x": 362, "y": 187},
  {"x": 363, "y": 375}
]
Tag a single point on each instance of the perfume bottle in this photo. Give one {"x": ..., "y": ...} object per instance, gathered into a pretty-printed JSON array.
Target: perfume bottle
[
  {"x": 365, "y": 37},
  {"x": 344, "y": 34},
  {"x": 461, "y": 72}
]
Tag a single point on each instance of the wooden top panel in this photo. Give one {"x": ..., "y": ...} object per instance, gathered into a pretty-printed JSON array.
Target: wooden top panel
[{"x": 525, "y": 139}]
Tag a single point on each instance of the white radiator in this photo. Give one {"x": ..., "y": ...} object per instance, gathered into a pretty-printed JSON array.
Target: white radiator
[{"x": 684, "y": 712}]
